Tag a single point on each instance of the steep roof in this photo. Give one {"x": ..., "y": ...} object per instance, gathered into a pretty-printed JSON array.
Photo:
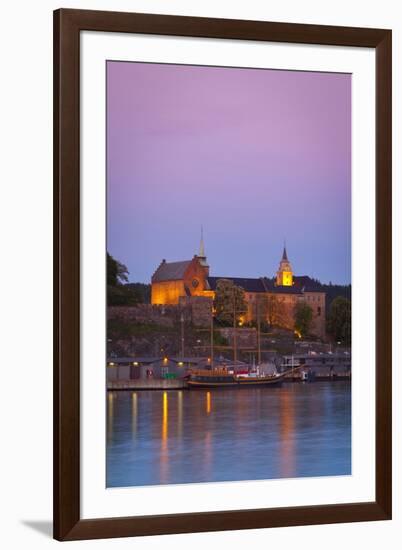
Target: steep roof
[
  {"x": 307, "y": 284},
  {"x": 170, "y": 271},
  {"x": 270, "y": 286},
  {"x": 249, "y": 285},
  {"x": 301, "y": 284}
]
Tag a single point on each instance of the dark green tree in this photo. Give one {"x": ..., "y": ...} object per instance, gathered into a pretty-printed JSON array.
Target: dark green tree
[
  {"x": 229, "y": 301},
  {"x": 142, "y": 290},
  {"x": 303, "y": 316},
  {"x": 117, "y": 273},
  {"x": 339, "y": 323},
  {"x": 119, "y": 293}
]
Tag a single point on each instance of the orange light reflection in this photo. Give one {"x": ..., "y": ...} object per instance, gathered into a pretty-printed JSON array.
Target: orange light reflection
[{"x": 208, "y": 403}]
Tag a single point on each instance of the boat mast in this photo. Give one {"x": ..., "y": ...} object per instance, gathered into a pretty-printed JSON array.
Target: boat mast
[
  {"x": 234, "y": 327},
  {"x": 212, "y": 336},
  {"x": 258, "y": 332},
  {"x": 182, "y": 335}
]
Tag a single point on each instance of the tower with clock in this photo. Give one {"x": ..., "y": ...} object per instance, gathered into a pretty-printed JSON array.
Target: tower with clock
[{"x": 284, "y": 275}]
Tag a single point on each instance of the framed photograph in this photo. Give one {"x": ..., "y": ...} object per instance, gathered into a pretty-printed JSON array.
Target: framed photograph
[{"x": 222, "y": 196}]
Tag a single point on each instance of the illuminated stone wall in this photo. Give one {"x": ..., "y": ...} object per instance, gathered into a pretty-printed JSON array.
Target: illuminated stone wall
[
  {"x": 281, "y": 312},
  {"x": 200, "y": 307},
  {"x": 195, "y": 278},
  {"x": 278, "y": 309},
  {"x": 251, "y": 299},
  {"x": 193, "y": 284},
  {"x": 246, "y": 338},
  {"x": 316, "y": 300},
  {"x": 167, "y": 292}
]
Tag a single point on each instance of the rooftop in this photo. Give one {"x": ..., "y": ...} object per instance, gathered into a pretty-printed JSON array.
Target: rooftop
[
  {"x": 249, "y": 285},
  {"x": 170, "y": 271}
]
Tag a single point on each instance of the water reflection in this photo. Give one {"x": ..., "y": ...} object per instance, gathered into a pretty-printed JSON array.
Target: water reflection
[
  {"x": 254, "y": 433},
  {"x": 179, "y": 413},
  {"x": 134, "y": 413},
  {"x": 287, "y": 433},
  {"x": 164, "y": 420},
  {"x": 208, "y": 402},
  {"x": 110, "y": 416},
  {"x": 207, "y": 462},
  {"x": 164, "y": 458}
]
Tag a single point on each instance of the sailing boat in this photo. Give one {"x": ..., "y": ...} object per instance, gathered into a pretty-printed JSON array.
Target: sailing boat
[{"x": 220, "y": 378}]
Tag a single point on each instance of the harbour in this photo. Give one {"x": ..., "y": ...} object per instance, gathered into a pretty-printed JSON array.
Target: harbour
[{"x": 150, "y": 373}]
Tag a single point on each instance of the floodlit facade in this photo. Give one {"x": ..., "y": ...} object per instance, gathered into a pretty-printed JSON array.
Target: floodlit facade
[{"x": 273, "y": 300}]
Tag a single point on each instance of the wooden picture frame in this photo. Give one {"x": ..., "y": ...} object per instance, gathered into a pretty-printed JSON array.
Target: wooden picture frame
[{"x": 67, "y": 26}]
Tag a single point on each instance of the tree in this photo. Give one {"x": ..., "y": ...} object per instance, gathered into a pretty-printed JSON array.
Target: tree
[
  {"x": 229, "y": 299},
  {"x": 273, "y": 310},
  {"x": 117, "y": 273},
  {"x": 339, "y": 323},
  {"x": 118, "y": 293},
  {"x": 142, "y": 290},
  {"x": 303, "y": 315}
]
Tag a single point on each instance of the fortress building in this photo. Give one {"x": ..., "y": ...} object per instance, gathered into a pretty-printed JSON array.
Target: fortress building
[{"x": 175, "y": 283}]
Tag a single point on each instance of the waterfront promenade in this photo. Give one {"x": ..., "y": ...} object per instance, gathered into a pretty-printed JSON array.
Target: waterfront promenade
[
  {"x": 163, "y": 373},
  {"x": 147, "y": 384}
]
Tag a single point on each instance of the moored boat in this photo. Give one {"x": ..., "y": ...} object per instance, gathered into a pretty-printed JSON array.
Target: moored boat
[{"x": 222, "y": 378}]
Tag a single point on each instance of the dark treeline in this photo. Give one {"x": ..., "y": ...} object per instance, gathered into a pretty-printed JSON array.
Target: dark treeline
[
  {"x": 334, "y": 291},
  {"x": 142, "y": 291},
  {"x": 338, "y": 302},
  {"x": 119, "y": 291}
]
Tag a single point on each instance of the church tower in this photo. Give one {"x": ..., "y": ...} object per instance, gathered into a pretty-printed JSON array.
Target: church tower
[
  {"x": 284, "y": 275},
  {"x": 201, "y": 254}
]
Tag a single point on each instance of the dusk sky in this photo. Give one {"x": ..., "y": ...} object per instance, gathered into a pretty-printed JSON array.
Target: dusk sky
[{"x": 256, "y": 156}]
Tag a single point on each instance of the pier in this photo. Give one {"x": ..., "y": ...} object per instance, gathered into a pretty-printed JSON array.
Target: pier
[{"x": 147, "y": 384}]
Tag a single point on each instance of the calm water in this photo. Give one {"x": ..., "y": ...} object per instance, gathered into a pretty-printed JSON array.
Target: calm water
[{"x": 226, "y": 435}]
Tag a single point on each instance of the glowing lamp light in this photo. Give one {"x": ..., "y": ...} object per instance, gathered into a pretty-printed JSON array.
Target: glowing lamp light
[
  {"x": 180, "y": 363},
  {"x": 209, "y": 359},
  {"x": 135, "y": 363},
  {"x": 165, "y": 359},
  {"x": 111, "y": 364}
]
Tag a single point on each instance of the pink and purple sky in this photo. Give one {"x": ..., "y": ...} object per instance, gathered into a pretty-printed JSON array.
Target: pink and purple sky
[{"x": 256, "y": 156}]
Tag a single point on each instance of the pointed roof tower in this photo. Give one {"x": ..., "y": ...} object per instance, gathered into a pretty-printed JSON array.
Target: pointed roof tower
[
  {"x": 201, "y": 254},
  {"x": 284, "y": 255},
  {"x": 284, "y": 275}
]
